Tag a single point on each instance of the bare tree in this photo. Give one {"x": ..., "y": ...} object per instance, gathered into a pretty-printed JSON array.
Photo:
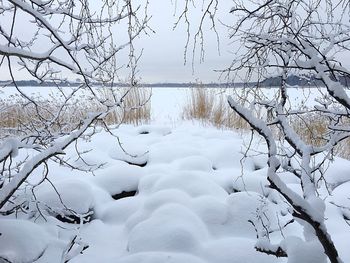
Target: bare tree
[
  {"x": 305, "y": 38},
  {"x": 54, "y": 41},
  {"x": 207, "y": 21}
]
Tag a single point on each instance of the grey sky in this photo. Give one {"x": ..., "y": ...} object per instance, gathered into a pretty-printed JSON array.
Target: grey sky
[
  {"x": 163, "y": 57},
  {"x": 163, "y": 51}
]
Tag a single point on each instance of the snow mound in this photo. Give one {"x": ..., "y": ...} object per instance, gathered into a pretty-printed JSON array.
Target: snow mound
[
  {"x": 161, "y": 257},
  {"x": 235, "y": 250},
  {"x": 339, "y": 173},
  {"x": 118, "y": 178},
  {"x": 301, "y": 251},
  {"x": 193, "y": 183},
  {"x": 21, "y": 241},
  {"x": 172, "y": 227},
  {"x": 166, "y": 196},
  {"x": 196, "y": 163},
  {"x": 211, "y": 210},
  {"x": 70, "y": 196},
  {"x": 174, "y": 196},
  {"x": 131, "y": 149},
  {"x": 249, "y": 211},
  {"x": 167, "y": 152},
  {"x": 119, "y": 212},
  {"x": 250, "y": 182},
  {"x": 153, "y": 130},
  {"x": 340, "y": 195},
  {"x": 223, "y": 153}
]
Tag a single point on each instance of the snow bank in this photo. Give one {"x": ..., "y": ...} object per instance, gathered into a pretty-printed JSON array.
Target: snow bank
[
  {"x": 66, "y": 197},
  {"x": 182, "y": 197},
  {"x": 21, "y": 241}
]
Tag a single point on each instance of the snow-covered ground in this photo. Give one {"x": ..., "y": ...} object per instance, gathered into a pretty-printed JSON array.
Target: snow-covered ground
[{"x": 174, "y": 192}]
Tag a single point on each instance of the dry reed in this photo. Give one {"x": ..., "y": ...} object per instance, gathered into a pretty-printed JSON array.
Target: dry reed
[
  {"x": 17, "y": 113},
  {"x": 313, "y": 129},
  {"x": 210, "y": 107}
]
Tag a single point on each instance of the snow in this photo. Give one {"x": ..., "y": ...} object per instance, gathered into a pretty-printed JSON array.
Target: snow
[
  {"x": 174, "y": 227},
  {"x": 21, "y": 241},
  {"x": 236, "y": 250},
  {"x": 300, "y": 251},
  {"x": 118, "y": 178},
  {"x": 160, "y": 257},
  {"x": 9, "y": 147},
  {"x": 338, "y": 174},
  {"x": 190, "y": 200},
  {"x": 67, "y": 195}
]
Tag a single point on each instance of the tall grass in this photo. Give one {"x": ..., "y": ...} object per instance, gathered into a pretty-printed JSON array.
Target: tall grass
[
  {"x": 209, "y": 106},
  {"x": 134, "y": 109},
  {"x": 16, "y": 113},
  {"x": 137, "y": 106},
  {"x": 313, "y": 129}
]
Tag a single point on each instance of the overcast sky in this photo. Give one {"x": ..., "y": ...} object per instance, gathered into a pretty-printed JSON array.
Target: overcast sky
[
  {"x": 163, "y": 51},
  {"x": 163, "y": 56}
]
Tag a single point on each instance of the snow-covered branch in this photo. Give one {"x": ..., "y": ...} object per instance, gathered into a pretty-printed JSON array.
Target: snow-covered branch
[
  {"x": 56, "y": 149},
  {"x": 63, "y": 41},
  {"x": 302, "y": 39}
]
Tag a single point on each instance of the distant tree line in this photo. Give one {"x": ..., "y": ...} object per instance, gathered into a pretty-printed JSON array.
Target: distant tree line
[{"x": 292, "y": 80}]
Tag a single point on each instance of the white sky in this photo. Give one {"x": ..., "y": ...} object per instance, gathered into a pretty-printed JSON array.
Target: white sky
[
  {"x": 163, "y": 51},
  {"x": 163, "y": 57}
]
